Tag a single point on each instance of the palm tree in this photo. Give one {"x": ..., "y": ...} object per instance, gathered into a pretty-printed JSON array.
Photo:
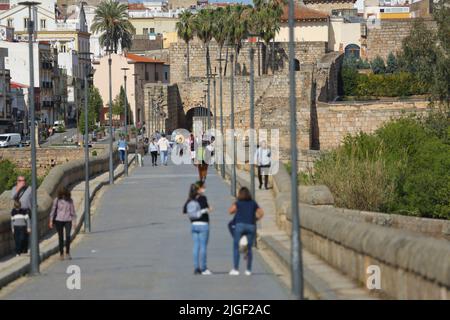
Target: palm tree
[
  {"x": 266, "y": 22},
  {"x": 185, "y": 31},
  {"x": 203, "y": 25},
  {"x": 219, "y": 30},
  {"x": 238, "y": 23},
  {"x": 111, "y": 18}
]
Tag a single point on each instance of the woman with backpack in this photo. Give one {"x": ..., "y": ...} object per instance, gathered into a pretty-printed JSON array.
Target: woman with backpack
[
  {"x": 153, "y": 148},
  {"x": 61, "y": 216},
  {"x": 247, "y": 213},
  {"x": 197, "y": 209}
]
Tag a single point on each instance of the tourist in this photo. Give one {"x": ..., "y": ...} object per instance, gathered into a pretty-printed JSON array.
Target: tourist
[
  {"x": 153, "y": 148},
  {"x": 140, "y": 152},
  {"x": 163, "y": 146},
  {"x": 22, "y": 192},
  {"x": 262, "y": 161},
  {"x": 192, "y": 144},
  {"x": 20, "y": 226},
  {"x": 63, "y": 217},
  {"x": 247, "y": 213},
  {"x": 122, "y": 144},
  {"x": 202, "y": 161},
  {"x": 197, "y": 208}
]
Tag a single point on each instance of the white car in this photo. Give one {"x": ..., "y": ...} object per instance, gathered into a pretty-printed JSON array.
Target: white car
[
  {"x": 10, "y": 140},
  {"x": 58, "y": 125}
]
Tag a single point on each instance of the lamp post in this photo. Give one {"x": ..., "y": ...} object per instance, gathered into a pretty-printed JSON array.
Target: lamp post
[
  {"x": 126, "y": 116},
  {"x": 221, "y": 116},
  {"x": 111, "y": 163},
  {"x": 34, "y": 245},
  {"x": 252, "y": 123},
  {"x": 296, "y": 253},
  {"x": 233, "y": 175},
  {"x": 87, "y": 207}
]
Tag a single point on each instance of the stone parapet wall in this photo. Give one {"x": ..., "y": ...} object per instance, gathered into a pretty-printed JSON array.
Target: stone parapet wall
[
  {"x": 46, "y": 158},
  {"x": 412, "y": 265}
]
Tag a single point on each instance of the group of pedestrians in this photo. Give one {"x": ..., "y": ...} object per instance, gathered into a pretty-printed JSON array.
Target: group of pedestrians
[
  {"x": 62, "y": 216},
  {"x": 246, "y": 212}
]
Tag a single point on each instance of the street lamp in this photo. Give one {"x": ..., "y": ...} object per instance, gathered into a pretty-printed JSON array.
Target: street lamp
[
  {"x": 296, "y": 248},
  {"x": 221, "y": 114},
  {"x": 34, "y": 245},
  {"x": 126, "y": 117},
  {"x": 87, "y": 209},
  {"x": 233, "y": 175},
  {"x": 111, "y": 163},
  {"x": 252, "y": 123}
]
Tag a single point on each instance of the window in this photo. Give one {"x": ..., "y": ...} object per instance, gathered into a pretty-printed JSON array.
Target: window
[
  {"x": 62, "y": 48},
  {"x": 25, "y": 23},
  {"x": 10, "y": 22},
  {"x": 152, "y": 30},
  {"x": 43, "y": 23},
  {"x": 156, "y": 76},
  {"x": 166, "y": 76},
  {"x": 145, "y": 31}
]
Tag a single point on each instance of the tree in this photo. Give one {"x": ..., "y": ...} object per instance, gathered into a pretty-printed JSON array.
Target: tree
[
  {"x": 425, "y": 53},
  {"x": 378, "y": 65},
  {"x": 203, "y": 26},
  {"x": 185, "y": 31},
  {"x": 391, "y": 63},
  {"x": 220, "y": 30},
  {"x": 111, "y": 18},
  {"x": 118, "y": 106},
  {"x": 238, "y": 29},
  {"x": 95, "y": 102}
]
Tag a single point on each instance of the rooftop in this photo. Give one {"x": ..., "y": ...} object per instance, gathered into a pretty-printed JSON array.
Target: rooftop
[
  {"x": 141, "y": 59},
  {"x": 303, "y": 13}
]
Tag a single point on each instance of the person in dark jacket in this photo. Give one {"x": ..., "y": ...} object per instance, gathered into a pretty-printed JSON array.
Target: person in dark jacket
[
  {"x": 199, "y": 227},
  {"x": 247, "y": 212}
]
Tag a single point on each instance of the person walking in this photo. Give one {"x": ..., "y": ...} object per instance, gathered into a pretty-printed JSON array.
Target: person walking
[
  {"x": 22, "y": 192},
  {"x": 198, "y": 209},
  {"x": 192, "y": 144},
  {"x": 263, "y": 161},
  {"x": 163, "y": 146},
  {"x": 153, "y": 148},
  {"x": 21, "y": 227},
  {"x": 247, "y": 212},
  {"x": 122, "y": 146},
  {"x": 140, "y": 152},
  {"x": 63, "y": 216}
]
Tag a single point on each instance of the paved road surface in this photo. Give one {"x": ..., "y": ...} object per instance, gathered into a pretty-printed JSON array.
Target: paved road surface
[{"x": 140, "y": 247}]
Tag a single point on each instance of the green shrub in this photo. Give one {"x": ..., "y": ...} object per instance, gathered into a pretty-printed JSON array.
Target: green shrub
[
  {"x": 404, "y": 167},
  {"x": 378, "y": 65},
  {"x": 391, "y": 63}
]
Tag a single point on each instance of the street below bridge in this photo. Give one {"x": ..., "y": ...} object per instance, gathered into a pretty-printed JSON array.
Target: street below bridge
[{"x": 140, "y": 246}]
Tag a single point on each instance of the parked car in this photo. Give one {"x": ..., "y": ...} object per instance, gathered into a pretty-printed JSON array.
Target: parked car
[
  {"x": 10, "y": 140},
  {"x": 59, "y": 126}
]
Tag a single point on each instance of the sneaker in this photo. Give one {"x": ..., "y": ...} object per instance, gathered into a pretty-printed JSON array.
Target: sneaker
[
  {"x": 197, "y": 271},
  {"x": 234, "y": 272},
  {"x": 248, "y": 273},
  {"x": 206, "y": 272},
  {"x": 68, "y": 257}
]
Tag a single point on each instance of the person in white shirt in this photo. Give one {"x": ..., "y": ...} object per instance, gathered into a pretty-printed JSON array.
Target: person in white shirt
[
  {"x": 163, "y": 146},
  {"x": 153, "y": 149},
  {"x": 262, "y": 161}
]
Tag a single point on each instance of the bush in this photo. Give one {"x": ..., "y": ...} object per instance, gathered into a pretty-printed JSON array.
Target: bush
[
  {"x": 391, "y": 63},
  {"x": 378, "y": 65},
  {"x": 9, "y": 173},
  {"x": 404, "y": 167}
]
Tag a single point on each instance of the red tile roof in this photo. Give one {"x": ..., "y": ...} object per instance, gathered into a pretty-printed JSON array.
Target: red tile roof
[
  {"x": 142, "y": 59},
  {"x": 16, "y": 85},
  {"x": 136, "y": 6},
  {"x": 303, "y": 13},
  {"x": 4, "y": 6}
]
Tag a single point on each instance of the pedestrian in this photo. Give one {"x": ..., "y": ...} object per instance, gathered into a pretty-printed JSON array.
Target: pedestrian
[
  {"x": 63, "y": 217},
  {"x": 192, "y": 145},
  {"x": 20, "y": 226},
  {"x": 22, "y": 192},
  {"x": 122, "y": 146},
  {"x": 247, "y": 213},
  {"x": 262, "y": 161},
  {"x": 153, "y": 148},
  {"x": 198, "y": 209},
  {"x": 163, "y": 146},
  {"x": 202, "y": 164},
  {"x": 140, "y": 152}
]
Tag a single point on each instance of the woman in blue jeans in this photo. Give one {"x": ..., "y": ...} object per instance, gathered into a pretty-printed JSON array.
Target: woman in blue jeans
[
  {"x": 200, "y": 227},
  {"x": 247, "y": 213}
]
